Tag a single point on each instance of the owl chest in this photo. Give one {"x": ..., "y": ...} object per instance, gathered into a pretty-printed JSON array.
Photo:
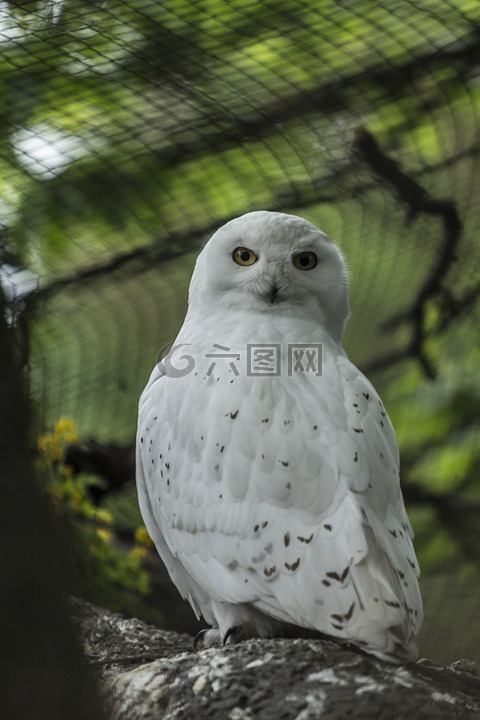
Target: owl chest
[
  {"x": 254, "y": 391},
  {"x": 228, "y": 432}
]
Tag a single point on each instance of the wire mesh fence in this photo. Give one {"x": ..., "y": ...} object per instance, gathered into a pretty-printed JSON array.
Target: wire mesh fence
[{"x": 131, "y": 130}]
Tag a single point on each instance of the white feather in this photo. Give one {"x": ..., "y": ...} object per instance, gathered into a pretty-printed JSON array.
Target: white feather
[{"x": 276, "y": 499}]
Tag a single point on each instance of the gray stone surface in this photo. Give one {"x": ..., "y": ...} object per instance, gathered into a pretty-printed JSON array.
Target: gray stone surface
[{"x": 147, "y": 673}]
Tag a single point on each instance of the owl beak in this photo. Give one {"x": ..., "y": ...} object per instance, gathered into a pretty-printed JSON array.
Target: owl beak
[{"x": 273, "y": 293}]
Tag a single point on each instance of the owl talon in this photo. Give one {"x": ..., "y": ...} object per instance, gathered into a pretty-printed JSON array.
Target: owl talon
[
  {"x": 200, "y": 636},
  {"x": 209, "y": 636},
  {"x": 206, "y": 638},
  {"x": 229, "y": 633}
]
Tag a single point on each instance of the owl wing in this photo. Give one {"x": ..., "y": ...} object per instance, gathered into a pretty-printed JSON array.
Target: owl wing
[{"x": 283, "y": 497}]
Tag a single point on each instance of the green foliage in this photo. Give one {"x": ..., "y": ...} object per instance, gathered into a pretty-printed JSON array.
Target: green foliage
[
  {"x": 105, "y": 570},
  {"x": 438, "y": 427},
  {"x": 128, "y": 125},
  {"x": 138, "y": 99}
]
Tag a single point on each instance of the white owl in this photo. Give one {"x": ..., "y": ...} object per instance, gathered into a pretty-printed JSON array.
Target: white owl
[{"x": 267, "y": 467}]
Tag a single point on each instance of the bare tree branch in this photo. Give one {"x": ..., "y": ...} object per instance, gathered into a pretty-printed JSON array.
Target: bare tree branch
[{"x": 417, "y": 200}]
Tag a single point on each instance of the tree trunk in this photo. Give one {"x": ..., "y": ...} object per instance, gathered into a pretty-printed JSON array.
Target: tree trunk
[{"x": 41, "y": 671}]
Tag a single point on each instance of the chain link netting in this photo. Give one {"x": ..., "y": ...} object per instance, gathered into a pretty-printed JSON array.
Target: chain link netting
[{"x": 131, "y": 130}]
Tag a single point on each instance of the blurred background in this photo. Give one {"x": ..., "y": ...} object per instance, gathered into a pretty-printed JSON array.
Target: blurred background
[{"x": 131, "y": 129}]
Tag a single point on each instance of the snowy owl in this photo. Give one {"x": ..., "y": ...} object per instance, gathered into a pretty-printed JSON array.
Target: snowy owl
[{"x": 267, "y": 467}]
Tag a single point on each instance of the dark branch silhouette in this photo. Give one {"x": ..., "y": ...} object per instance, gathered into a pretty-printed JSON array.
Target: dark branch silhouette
[{"x": 417, "y": 200}]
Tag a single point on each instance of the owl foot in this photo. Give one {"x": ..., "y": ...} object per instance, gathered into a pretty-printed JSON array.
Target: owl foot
[
  {"x": 206, "y": 638},
  {"x": 210, "y": 636},
  {"x": 229, "y": 634}
]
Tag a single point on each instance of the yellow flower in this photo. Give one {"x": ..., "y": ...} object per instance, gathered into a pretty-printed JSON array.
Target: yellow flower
[
  {"x": 54, "y": 445},
  {"x": 65, "y": 424},
  {"x": 70, "y": 438},
  {"x": 138, "y": 552},
  {"x": 66, "y": 431},
  {"x": 45, "y": 443},
  {"x": 56, "y": 451},
  {"x": 142, "y": 537},
  {"x": 104, "y": 516},
  {"x": 106, "y": 535}
]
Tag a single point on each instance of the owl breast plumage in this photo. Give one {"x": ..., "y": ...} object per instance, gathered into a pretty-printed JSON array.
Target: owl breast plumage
[{"x": 268, "y": 473}]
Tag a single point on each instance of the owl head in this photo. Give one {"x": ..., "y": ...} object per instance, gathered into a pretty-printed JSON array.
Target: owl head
[{"x": 269, "y": 262}]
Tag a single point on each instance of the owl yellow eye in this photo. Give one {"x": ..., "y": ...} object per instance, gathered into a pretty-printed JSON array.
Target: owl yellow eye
[
  {"x": 305, "y": 260},
  {"x": 244, "y": 256}
]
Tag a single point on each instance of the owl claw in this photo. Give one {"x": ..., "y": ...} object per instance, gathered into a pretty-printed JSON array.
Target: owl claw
[
  {"x": 206, "y": 638},
  {"x": 229, "y": 633},
  {"x": 210, "y": 636},
  {"x": 199, "y": 637}
]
